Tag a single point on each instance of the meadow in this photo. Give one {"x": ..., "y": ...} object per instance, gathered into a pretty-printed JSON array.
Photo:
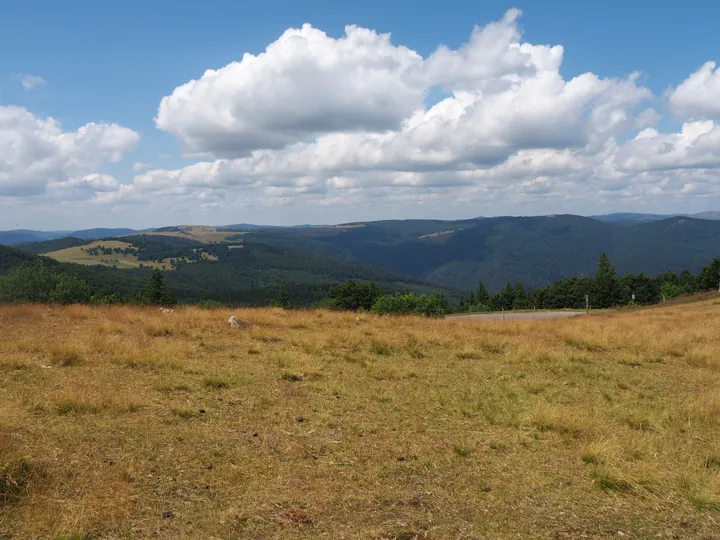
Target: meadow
[
  {"x": 124, "y": 422},
  {"x": 79, "y": 255}
]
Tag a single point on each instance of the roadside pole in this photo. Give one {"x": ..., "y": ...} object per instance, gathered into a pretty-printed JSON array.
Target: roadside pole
[{"x": 587, "y": 304}]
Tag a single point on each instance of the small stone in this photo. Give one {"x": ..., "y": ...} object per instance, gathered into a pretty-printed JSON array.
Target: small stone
[
  {"x": 300, "y": 419},
  {"x": 237, "y": 322},
  {"x": 168, "y": 515},
  {"x": 202, "y": 411},
  {"x": 486, "y": 490},
  {"x": 401, "y": 458}
]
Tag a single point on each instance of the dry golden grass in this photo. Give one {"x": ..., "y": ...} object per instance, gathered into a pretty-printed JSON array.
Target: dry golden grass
[
  {"x": 129, "y": 423},
  {"x": 201, "y": 233}
]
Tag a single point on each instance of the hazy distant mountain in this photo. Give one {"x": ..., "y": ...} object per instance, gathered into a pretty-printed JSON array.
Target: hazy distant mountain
[
  {"x": 92, "y": 234},
  {"x": 243, "y": 227},
  {"x": 623, "y": 218},
  {"x": 22, "y": 236},
  {"x": 707, "y": 215},
  {"x": 630, "y": 216},
  {"x": 421, "y": 226}
]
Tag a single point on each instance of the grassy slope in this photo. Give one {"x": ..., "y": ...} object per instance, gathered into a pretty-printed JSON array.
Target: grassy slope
[
  {"x": 200, "y": 233},
  {"x": 127, "y": 423},
  {"x": 79, "y": 255}
]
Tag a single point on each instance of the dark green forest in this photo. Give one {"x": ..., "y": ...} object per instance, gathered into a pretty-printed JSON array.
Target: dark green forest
[
  {"x": 548, "y": 262},
  {"x": 535, "y": 251}
]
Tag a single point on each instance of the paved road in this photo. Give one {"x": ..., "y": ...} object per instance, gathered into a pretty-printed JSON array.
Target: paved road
[{"x": 517, "y": 316}]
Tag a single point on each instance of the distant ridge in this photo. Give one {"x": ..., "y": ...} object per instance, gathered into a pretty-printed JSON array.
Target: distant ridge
[{"x": 25, "y": 236}]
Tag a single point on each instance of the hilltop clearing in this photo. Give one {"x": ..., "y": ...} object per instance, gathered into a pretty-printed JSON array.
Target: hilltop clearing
[
  {"x": 129, "y": 423},
  {"x": 200, "y": 233}
]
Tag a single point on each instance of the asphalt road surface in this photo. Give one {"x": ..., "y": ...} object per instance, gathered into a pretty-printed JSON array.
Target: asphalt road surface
[{"x": 517, "y": 316}]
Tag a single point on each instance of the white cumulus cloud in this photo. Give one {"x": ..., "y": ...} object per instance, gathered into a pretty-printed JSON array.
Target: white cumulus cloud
[
  {"x": 305, "y": 83},
  {"x": 699, "y": 95},
  {"x": 35, "y": 152}
]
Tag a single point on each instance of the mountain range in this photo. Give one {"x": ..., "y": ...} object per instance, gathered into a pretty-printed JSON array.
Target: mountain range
[{"x": 233, "y": 260}]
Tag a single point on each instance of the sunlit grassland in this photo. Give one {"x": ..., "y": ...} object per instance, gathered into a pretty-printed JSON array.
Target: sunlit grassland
[
  {"x": 79, "y": 255},
  {"x": 129, "y": 423}
]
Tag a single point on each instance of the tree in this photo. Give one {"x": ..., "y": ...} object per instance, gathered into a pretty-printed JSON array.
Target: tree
[
  {"x": 282, "y": 298},
  {"x": 709, "y": 277},
  {"x": 606, "y": 291},
  {"x": 482, "y": 295},
  {"x": 504, "y": 299},
  {"x": 41, "y": 283},
  {"x": 156, "y": 293},
  {"x": 520, "y": 297},
  {"x": 645, "y": 289},
  {"x": 353, "y": 296},
  {"x": 688, "y": 282}
]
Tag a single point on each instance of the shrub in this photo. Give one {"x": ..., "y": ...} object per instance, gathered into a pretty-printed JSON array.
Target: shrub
[
  {"x": 670, "y": 290},
  {"x": 354, "y": 296},
  {"x": 410, "y": 303}
]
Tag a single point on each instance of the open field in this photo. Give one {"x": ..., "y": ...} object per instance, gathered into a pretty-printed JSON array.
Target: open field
[
  {"x": 128, "y": 423},
  {"x": 79, "y": 255},
  {"x": 201, "y": 233}
]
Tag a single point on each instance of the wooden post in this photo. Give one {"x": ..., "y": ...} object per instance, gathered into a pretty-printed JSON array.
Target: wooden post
[
  {"x": 587, "y": 303},
  {"x": 503, "y": 312}
]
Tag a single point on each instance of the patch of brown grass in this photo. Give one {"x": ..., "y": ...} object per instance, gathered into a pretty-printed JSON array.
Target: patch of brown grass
[{"x": 122, "y": 422}]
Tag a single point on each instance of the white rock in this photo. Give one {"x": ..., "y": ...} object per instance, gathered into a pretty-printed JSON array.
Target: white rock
[{"x": 237, "y": 322}]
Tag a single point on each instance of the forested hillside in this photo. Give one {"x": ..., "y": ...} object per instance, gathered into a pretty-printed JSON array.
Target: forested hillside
[
  {"x": 246, "y": 275},
  {"x": 535, "y": 251}
]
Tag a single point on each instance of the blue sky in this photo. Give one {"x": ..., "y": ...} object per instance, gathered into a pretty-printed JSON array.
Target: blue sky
[{"x": 113, "y": 62}]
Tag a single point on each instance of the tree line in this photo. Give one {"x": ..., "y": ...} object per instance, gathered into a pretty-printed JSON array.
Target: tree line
[
  {"x": 604, "y": 290},
  {"x": 45, "y": 282}
]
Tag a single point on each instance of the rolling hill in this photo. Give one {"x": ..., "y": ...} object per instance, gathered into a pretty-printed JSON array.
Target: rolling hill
[
  {"x": 248, "y": 274},
  {"x": 533, "y": 250},
  {"x": 454, "y": 255}
]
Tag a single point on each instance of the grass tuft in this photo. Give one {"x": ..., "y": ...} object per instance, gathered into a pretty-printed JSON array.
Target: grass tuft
[
  {"x": 65, "y": 355},
  {"x": 217, "y": 382}
]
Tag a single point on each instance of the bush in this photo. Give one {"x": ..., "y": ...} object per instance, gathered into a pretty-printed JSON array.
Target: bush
[
  {"x": 409, "y": 303},
  {"x": 354, "y": 296},
  {"x": 670, "y": 290}
]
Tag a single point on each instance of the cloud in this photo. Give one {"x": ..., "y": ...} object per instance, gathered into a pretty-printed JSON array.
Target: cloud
[
  {"x": 696, "y": 146},
  {"x": 699, "y": 95},
  {"x": 30, "y": 82},
  {"x": 304, "y": 108},
  {"x": 305, "y": 83},
  {"x": 339, "y": 128},
  {"x": 139, "y": 166},
  {"x": 36, "y": 152}
]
